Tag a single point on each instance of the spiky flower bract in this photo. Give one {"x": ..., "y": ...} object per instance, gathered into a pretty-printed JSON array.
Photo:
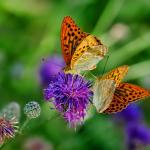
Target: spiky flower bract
[
  {"x": 71, "y": 95},
  {"x": 8, "y": 128}
]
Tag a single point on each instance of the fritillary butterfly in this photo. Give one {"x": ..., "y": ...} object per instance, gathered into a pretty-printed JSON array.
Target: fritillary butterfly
[
  {"x": 81, "y": 50},
  {"x": 114, "y": 96}
]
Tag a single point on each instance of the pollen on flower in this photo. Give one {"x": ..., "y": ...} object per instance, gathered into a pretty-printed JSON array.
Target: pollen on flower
[{"x": 72, "y": 95}]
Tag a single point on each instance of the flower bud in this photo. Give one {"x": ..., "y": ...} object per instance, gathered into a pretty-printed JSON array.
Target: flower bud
[{"x": 32, "y": 110}]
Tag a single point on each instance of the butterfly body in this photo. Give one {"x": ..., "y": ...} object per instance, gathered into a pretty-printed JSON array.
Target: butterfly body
[{"x": 81, "y": 50}]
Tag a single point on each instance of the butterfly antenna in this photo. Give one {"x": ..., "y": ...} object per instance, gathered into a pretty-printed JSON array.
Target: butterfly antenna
[{"x": 105, "y": 65}]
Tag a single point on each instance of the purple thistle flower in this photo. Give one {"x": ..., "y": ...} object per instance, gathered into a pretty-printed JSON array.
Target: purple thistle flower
[
  {"x": 8, "y": 129},
  {"x": 71, "y": 95},
  {"x": 49, "y": 68},
  {"x": 137, "y": 135},
  {"x": 132, "y": 113}
]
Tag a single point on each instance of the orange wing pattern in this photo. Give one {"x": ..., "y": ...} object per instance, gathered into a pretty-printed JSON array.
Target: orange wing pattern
[
  {"x": 71, "y": 37},
  {"x": 86, "y": 44},
  {"x": 116, "y": 74},
  {"x": 125, "y": 94}
]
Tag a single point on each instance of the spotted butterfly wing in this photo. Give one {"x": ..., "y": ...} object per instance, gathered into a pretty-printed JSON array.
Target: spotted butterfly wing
[
  {"x": 116, "y": 74},
  {"x": 71, "y": 37},
  {"x": 125, "y": 94},
  {"x": 88, "y": 53},
  {"x": 104, "y": 88}
]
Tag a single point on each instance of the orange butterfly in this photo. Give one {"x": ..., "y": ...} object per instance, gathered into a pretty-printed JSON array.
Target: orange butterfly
[
  {"x": 81, "y": 50},
  {"x": 111, "y": 96}
]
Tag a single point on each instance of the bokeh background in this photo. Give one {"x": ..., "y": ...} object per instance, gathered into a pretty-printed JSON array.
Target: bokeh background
[{"x": 30, "y": 32}]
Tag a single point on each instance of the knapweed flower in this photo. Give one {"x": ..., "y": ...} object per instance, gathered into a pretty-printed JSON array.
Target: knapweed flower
[
  {"x": 8, "y": 128},
  {"x": 138, "y": 135},
  {"x": 32, "y": 110},
  {"x": 49, "y": 68},
  {"x": 70, "y": 94}
]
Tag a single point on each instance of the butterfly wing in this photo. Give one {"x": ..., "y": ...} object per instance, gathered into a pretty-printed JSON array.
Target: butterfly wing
[
  {"x": 125, "y": 94},
  {"x": 71, "y": 36},
  {"x": 88, "y": 53},
  {"x": 103, "y": 94},
  {"x": 116, "y": 74}
]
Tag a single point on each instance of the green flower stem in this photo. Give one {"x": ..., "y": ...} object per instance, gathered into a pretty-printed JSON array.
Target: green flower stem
[
  {"x": 24, "y": 125},
  {"x": 107, "y": 17},
  {"x": 47, "y": 120}
]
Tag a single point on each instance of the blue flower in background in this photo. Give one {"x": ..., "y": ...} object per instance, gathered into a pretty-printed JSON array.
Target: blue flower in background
[
  {"x": 49, "y": 68},
  {"x": 137, "y": 135},
  {"x": 132, "y": 113},
  {"x": 71, "y": 95}
]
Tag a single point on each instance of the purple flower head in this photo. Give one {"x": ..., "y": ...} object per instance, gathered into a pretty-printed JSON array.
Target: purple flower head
[
  {"x": 132, "y": 113},
  {"x": 137, "y": 134},
  {"x": 71, "y": 94},
  {"x": 49, "y": 68},
  {"x": 8, "y": 128}
]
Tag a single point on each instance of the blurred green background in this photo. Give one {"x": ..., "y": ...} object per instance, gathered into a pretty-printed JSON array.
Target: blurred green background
[{"x": 30, "y": 31}]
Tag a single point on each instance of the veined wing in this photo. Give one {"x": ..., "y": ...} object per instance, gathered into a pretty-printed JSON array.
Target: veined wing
[{"x": 103, "y": 94}]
